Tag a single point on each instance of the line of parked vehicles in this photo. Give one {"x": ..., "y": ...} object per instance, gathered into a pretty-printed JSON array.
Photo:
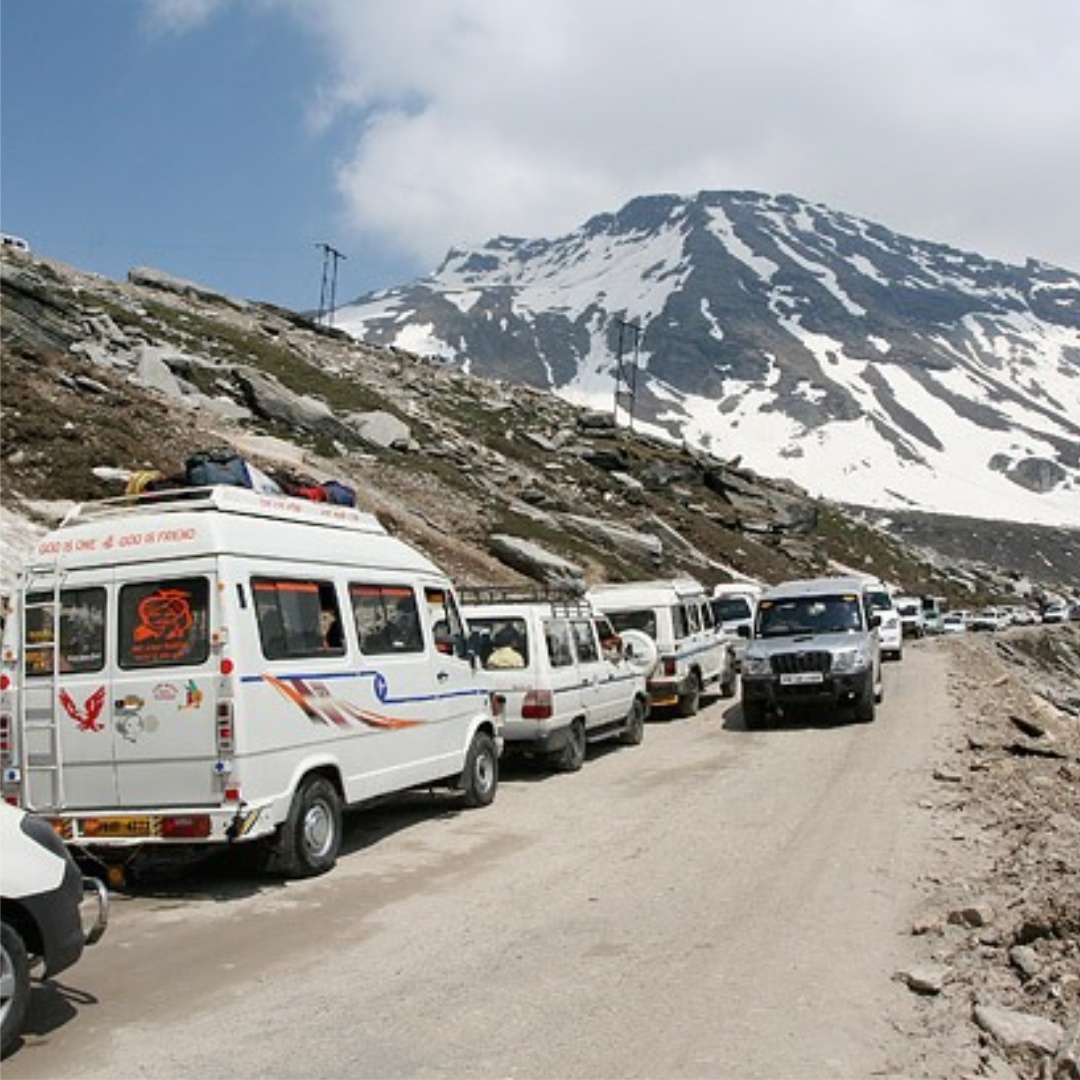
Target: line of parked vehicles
[{"x": 226, "y": 669}]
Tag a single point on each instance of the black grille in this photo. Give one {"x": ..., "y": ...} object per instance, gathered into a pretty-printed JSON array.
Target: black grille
[{"x": 797, "y": 662}]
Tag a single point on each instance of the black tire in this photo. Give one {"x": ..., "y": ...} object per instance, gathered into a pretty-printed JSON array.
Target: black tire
[
  {"x": 730, "y": 685},
  {"x": 310, "y": 839},
  {"x": 634, "y": 732},
  {"x": 753, "y": 713},
  {"x": 572, "y": 756},
  {"x": 480, "y": 780},
  {"x": 690, "y": 702},
  {"x": 15, "y": 980},
  {"x": 866, "y": 706}
]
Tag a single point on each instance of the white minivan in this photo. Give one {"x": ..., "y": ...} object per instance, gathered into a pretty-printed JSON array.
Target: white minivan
[
  {"x": 560, "y": 670},
  {"x": 217, "y": 666},
  {"x": 671, "y": 622}
]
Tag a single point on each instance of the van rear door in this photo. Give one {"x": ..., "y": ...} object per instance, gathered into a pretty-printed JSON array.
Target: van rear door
[
  {"x": 116, "y": 710},
  {"x": 161, "y": 701}
]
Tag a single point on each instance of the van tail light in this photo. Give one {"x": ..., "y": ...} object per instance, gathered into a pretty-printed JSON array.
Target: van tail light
[
  {"x": 669, "y": 667},
  {"x": 226, "y": 742},
  {"x": 537, "y": 705}
]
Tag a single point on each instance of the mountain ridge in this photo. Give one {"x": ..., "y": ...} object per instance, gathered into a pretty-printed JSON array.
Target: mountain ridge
[{"x": 866, "y": 366}]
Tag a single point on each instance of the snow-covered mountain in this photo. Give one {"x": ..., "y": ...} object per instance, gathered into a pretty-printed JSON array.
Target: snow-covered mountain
[{"x": 868, "y": 367}]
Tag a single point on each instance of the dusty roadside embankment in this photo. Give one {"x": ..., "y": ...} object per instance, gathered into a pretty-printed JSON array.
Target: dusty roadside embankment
[{"x": 1001, "y": 928}]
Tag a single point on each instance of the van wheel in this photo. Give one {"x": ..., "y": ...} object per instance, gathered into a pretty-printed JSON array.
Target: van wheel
[
  {"x": 311, "y": 836},
  {"x": 690, "y": 702},
  {"x": 15, "y": 983},
  {"x": 572, "y": 756},
  {"x": 634, "y": 732},
  {"x": 481, "y": 776}
]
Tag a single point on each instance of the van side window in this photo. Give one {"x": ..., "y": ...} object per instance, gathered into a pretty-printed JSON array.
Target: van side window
[
  {"x": 445, "y": 622},
  {"x": 82, "y": 631},
  {"x": 585, "y": 639},
  {"x": 387, "y": 619},
  {"x": 680, "y": 624},
  {"x": 559, "y": 647},
  {"x": 297, "y": 617},
  {"x": 164, "y": 623}
]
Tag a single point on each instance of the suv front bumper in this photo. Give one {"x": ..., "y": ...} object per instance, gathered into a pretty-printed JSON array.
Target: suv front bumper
[{"x": 778, "y": 691}]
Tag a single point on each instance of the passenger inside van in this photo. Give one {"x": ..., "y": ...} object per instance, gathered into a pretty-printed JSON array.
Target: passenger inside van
[{"x": 509, "y": 650}]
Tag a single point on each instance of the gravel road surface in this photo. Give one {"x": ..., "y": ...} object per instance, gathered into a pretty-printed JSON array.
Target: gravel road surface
[{"x": 712, "y": 903}]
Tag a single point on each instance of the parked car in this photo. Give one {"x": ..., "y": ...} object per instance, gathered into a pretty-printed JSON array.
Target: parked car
[
  {"x": 954, "y": 622},
  {"x": 1022, "y": 615},
  {"x": 989, "y": 618},
  {"x": 815, "y": 644},
  {"x": 910, "y": 610},
  {"x": 734, "y": 605},
  {"x": 561, "y": 671},
  {"x": 891, "y": 629},
  {"x": 672, "y": 620},
  {"x": 50, "y": 912},
  {"x": 1055, "y": 613}
]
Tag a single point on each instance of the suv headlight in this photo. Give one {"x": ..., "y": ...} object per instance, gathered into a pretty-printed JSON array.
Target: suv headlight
[
  {"x": 756, "y": 665},
  {"x": 848, "y": 660}
]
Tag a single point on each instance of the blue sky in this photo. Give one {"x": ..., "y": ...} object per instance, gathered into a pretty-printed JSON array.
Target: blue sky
[{"x": 224, "y": 140}]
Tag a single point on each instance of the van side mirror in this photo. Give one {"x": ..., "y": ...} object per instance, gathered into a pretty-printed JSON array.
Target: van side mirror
[
  {"x": 875, "y": 621},
  {"x": 744, "y": 631}
]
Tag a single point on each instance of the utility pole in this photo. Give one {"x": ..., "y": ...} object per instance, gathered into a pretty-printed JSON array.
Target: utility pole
[
  {"x": 626, "y": 373},
  {"x": 328, "y": 289}
]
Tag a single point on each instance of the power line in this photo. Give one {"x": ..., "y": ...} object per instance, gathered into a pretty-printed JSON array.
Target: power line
[
  {"x": 328, "y": 288},
  {"x": 626, "y": 373}
]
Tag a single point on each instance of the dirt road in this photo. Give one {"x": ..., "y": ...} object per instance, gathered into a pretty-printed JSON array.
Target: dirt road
[{"x": 713, "y": 903}]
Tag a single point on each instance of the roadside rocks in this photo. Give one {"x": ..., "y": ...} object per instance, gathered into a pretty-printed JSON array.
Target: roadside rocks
[{"x": 1000, "y": 932}]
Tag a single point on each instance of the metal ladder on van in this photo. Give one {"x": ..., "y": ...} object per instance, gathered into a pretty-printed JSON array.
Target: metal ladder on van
[{"x": 40, "y": 751}]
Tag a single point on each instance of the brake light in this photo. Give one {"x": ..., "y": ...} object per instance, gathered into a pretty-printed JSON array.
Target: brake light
[
  {"x": 186, "y": 827},
  {"x": 538, "y": 705},
  {"x": 669, "y": 666}
]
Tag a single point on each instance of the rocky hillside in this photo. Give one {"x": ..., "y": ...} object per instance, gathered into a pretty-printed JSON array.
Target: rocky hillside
[{"x": 497, "y": 482}]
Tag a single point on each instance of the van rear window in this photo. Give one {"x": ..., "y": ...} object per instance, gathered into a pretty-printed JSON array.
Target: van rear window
[
  {"x": 82, "y": 631},
  {"x": 164, "y": 623}
]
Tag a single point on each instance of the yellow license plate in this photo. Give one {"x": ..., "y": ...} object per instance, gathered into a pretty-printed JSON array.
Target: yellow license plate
[{"x": 118, "y": 827}]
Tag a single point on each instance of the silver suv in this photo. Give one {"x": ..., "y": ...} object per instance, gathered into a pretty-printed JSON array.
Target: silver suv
[{"x": 815, "y": 643}]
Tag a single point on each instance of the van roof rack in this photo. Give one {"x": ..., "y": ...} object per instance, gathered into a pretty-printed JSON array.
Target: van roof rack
[
  {"x": 222, "y": 497},
  {"x": 563, "y": 599}
]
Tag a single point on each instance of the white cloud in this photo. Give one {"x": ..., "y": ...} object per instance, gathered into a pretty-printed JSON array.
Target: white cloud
[{"x": 953, "y": 120}]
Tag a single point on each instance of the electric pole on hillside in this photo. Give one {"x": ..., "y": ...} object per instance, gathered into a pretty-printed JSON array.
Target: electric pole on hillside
[
  {"x": 328, "y": 290},
  {"x": 626, "y": 373}
]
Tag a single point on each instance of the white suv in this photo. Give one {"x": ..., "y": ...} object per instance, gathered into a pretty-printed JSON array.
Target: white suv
[
  {"x": 891, "y": 628},
  {"x": 671, "y": 626},
  {"x": 561, "y": 671},
  {"x": 50, "y": 912}
]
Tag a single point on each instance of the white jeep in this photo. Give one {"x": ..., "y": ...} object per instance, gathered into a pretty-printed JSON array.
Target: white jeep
[
  {"x": 671, "y": 628},
  {"x": 561, "y": 671}
]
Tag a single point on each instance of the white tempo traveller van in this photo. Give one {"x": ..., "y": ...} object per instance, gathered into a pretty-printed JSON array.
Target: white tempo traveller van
[{"x": 219, "y": 666}]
